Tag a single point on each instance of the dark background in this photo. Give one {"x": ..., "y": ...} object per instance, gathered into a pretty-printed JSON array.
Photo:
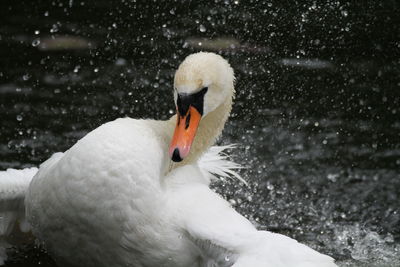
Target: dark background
[{"x": 316, "y": 117}]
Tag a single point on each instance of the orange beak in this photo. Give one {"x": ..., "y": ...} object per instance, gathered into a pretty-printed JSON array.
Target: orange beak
[{"x": 185, "y": 131}]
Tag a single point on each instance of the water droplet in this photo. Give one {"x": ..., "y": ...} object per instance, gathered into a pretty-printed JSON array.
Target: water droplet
[
  {"x": 270, "y": 186},
  {"x": 26, "y": 77},
  {"x": 202, "y": 28},
  {"x": 96, "y": 70},
  {"x": 37, "y": 32},
  {"x": 227, "y": 258},
  {"x": 332, "y": 177},
  {"x": 54, "y": 28},
  {"x": 120, "y": 62},
  {"x": 36, "y": 42},
  {"x": 19, "y": 117}
]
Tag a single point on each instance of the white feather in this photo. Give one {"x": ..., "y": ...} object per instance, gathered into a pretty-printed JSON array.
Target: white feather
[{"x": 217, "y": 163}]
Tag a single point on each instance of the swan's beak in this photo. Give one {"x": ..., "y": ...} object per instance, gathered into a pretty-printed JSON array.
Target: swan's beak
[{"x": 184, "y": 134}]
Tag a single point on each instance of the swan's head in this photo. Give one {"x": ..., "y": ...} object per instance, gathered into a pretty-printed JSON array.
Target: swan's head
[{"x": 203, "y": 82}]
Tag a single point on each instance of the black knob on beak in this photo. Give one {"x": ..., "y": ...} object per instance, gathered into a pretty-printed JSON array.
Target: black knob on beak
[{"x": 176, "y": 157}]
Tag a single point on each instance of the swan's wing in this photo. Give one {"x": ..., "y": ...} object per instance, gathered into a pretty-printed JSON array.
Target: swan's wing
[
  {"x": 276, "y": 250},
  {"x": 13, "y": 186},
  {"x": 229, "y": 239},
  {"x": 210, "y": 222},
  {"x": 217, "y": 163}
]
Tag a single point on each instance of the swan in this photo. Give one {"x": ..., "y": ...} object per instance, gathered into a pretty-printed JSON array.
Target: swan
[{"x": 136, "y": 192}]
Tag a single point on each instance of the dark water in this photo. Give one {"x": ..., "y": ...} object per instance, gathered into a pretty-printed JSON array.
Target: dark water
[{"x": 316, "y": 117}]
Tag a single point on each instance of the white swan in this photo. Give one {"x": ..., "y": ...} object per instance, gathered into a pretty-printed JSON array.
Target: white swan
[{"x": 116, "y": 199}]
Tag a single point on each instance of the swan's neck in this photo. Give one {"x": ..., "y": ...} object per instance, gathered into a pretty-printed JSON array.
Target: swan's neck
[{"x": 210, "y": 128}]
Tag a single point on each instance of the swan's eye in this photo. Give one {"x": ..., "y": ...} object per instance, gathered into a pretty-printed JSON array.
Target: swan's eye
[{"x": 195, "y": 100}]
